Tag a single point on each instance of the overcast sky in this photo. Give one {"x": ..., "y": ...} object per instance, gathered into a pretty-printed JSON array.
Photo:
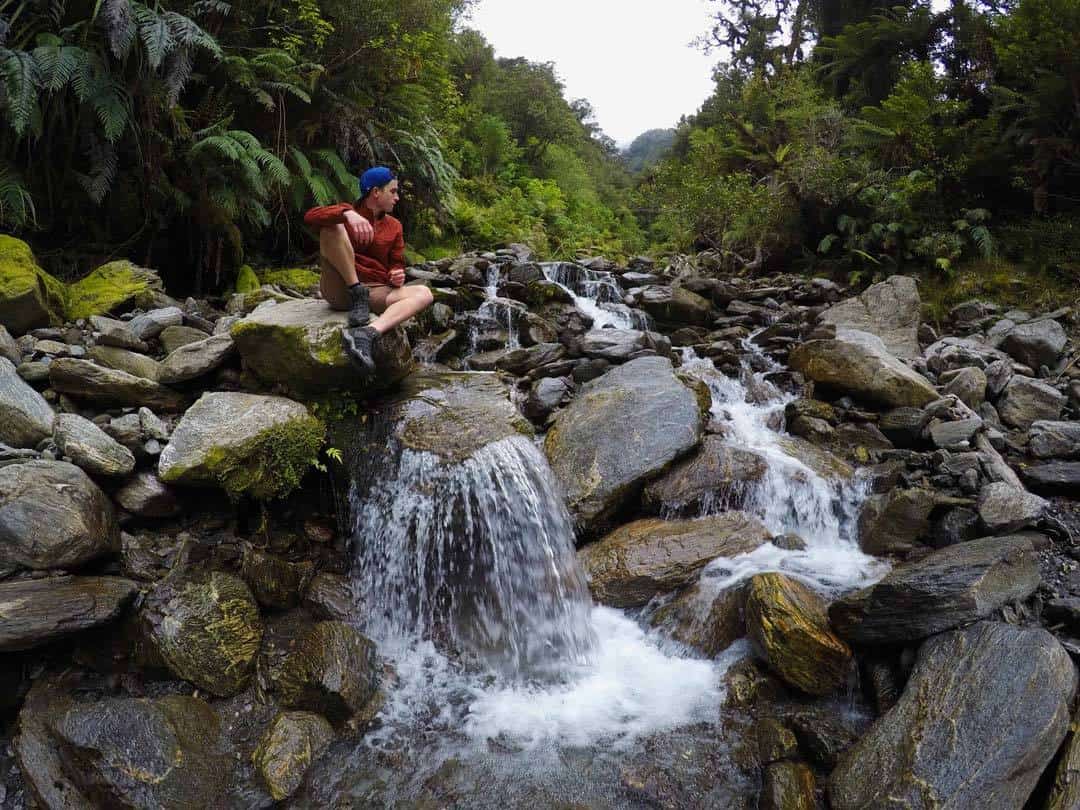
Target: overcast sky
[{"x": 631, "y": 60}]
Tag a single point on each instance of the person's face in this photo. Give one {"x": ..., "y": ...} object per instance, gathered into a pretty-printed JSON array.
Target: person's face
[{"x": 384, "y": 199}]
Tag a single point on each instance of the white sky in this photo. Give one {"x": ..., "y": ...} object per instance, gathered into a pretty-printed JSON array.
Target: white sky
[{"x": 631, "y": 59}]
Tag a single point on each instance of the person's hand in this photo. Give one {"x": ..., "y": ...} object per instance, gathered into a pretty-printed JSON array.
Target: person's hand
[
  {"x": 397, "y": 276},
  {"x": 359, "y": 229}
]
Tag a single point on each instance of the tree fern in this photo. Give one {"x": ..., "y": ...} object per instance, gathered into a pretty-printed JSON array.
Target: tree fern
[
  {"x": 56, "y": 62},
  {"x": 155, "y": 34},
  {"x": 119, "y": 23}
]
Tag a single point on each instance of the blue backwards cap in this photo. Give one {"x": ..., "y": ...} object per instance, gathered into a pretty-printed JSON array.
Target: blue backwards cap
[{"x": 373, "y": 178}]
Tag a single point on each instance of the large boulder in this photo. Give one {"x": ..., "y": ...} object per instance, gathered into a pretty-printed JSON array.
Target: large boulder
[
  {"x": 29, "y": 297},
  {"x": 859, "y": 364},
  {"x": 25, "y": 416},
  {"x": 1054, "y": 477},
  {"x": 87, "y": 380},
  {"x": 43, "y": 773},
  {"x": 717, "y": 475},
  {"x": 290, "y": 745},
  {"x": 127, "y": 752},
  {"x": 615, "y": 345},
  {"x": 951, "y": 587},
  {"x": 648, "y": 557},
  {"x": 333, "y": 671},
  {"x": 1026, "y": 400},
  {"x": 38, "y": 611},
  {"x": 622, "y": 429},
  {"x": 193, "y": 360},
  {"x": 788, "y": 626},
  {"x": 889, "y": 309},
  {"x": 703, "y": 617},
  {"x": 205, "y": 626},
  {"x": 91, "y": 448},
  {"x": 243, "y": 443},
  {"x": 676, "y": 305},
  {"x": 53, "y": 516},
  {"x": 1004, "y": 507},
  {"x": 298, "y": 344},
  {"x": 895, "y": 522},
  {"x": 981, "y": 717},
  {"x": 1036, "y": 343},
  {"x": 1065, "y": 795},
  {"x": 113, "y": 287},
  {"x": 1055, "y": 439}
]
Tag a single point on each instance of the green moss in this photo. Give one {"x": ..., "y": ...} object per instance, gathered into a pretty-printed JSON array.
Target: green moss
[
  {"x": 246, "y": 280},
  {"x": 413, "y": 257},
  {"x": 34, "y": 296},
  {"x": 113, "y": 286},
  {"x": 271, "y": 464},
  {"x": 298, "y": 278}
]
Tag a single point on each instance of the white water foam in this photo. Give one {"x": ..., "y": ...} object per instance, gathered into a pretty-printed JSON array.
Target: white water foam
[{"x": 596, "y": 294}]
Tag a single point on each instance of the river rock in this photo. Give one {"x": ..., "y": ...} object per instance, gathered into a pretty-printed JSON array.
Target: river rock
[
  {"x": 25, "y": 416},
  {"x": 1055, "y": 439},
  {"x": 895, "y": 522},
  {"x": 955, "y": 353},
  {"x": 146, "y": 496},
  {"x": 889, "y": 309},
  {"x": 79, "y": 517},
  {"x": 521, "y": 361},
  {"x": 113, "y": 287},
  {"x": 1027, "y": 400},
  {"x": 29, "y": 297},
  {"x": 36, "y": 750},
  {"x": 634, "y": 563},
  {"x": 243, "y": 443},
  {"x": 298, "y": 343},
  {"x": 149, "y": 325},
  {"x": 206, "y": 627},
  {"x": 129, "y": 752},
  {"x": 716, "y": 474},
  {"x": 9, "y": 349},
  {"x": 1005, "y": 508},
  {"x": 193, "y": 360},
  {"x": 276, "y": 583},
  {"x": 1036, "y": 343},
  {"x": 330, "y": 596},
  {"x": 290, "y": 745},
  {"x": 90, "y": 447},
  {"x": 969, "y": 386},
  {"x": 614, "y": 345},
  {"x": 948, "y": 588},
  {"x": 134, "y": 363},
  {"x": 933, "y": 749},
  {"x": 788, "y": 625},
  {"x": 173, "y": 337},
  {"x": 38, "y": 611},
  {"x": 547, "y": 394},
  {"x": 821, "y": 461},
  {"x": 858, "y": 363},
  {"x": 116, "y": 334},
  {"x": 704, "y": 618},
  {"x": 788, "y": 786},
  {"x": 333, "y": 671},
  {"x": 622, "y": 429},
  {"x": 106, "y": 386},
  {"x": 676, "y": 305},
  {"x": 1055, "y": 477},
  {"x": 1065, "y": 794}
]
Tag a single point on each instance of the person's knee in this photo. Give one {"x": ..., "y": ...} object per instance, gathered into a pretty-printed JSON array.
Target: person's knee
[
  {"x": 333, "y": 235},
  {"x": 423, "y": 296}
]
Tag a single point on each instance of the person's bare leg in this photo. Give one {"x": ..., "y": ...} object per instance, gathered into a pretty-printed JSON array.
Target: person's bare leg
[
  {"x": 346, "y": 292},
  {"x": 402, "y": 304},
  {"x": 335, "y": 247}
]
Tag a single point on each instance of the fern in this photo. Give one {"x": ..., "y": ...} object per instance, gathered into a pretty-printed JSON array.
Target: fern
[
  {"x": 154, "y": 31},
  {"x": 16, "y": 204},
  {"x": 119, "y": 26},
  {"x": 205, "y": 7},
  {"x": 187, "y": 33},
  {"x": 23, "y": 82},
  {"x": 104, "y": 162}
]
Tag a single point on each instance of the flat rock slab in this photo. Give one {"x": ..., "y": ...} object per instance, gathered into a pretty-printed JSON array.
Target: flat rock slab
[
  {"x": 1054, "y": 477},
  {"x": 1055, "y": 440},
  {"x": 107, "y": 386},
  {"x": 25, "y": 416},
  {"x": 889, "y": 309},
  {"x": 53, "y": 516},
  {"x": 193, "y": 360},
  {"x": 38, "y": 611},
  {"x": 951, "y": 587},
  {"x": 91, "y": 448},
  {"x": 1026, "y": 400},
  {"x": 298, "y": 343},
  {"x": 132, "y": 362},
  {"x": 622, "y": 429},
  {"x": 648, "y": 557},
  {"x": 981, "y": 717},
  {"x": 858, "y": 363},
  {"x": 615, "y": 345}
]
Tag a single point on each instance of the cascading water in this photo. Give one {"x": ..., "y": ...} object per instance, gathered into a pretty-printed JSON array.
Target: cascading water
[
  {"x": 494, "y": 313},
  {"x": 596, "y": 294}
]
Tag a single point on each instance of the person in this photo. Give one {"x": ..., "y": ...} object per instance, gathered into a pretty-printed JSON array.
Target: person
[{"x": 362, "y": 259}]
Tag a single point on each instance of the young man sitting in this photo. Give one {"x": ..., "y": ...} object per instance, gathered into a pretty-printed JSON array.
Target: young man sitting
[{"x": 362, "y": 258}]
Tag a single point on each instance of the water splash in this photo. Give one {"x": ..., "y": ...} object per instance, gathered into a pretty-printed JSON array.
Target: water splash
[{"x": 597, "y": 294}]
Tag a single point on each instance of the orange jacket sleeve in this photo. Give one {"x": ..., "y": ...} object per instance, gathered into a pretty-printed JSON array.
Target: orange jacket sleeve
[
  {"x": 323, "y": 216},
  {"x": 397, "y": 250}
]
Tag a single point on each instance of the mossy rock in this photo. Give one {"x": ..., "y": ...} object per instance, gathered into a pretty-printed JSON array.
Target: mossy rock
[
  {"x": 289, "y": 747},
  {"x": 244, "y": 443},
  {"x": 205, "y": 625},
  {"x": 246, "y": 280},
  {"x": 29, "y": 297},
  {"x": 276, "y": 583},
  {"x": 113, "y": 287},
  {"x": 303, "y": 279}
]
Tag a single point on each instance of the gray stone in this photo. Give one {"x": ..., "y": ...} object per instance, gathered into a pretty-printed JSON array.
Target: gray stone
[
  {"x": 954, "y": 353},
  {"x": 105, "y": 386},
  {"x": 146, "y": 496},
  {"x": 547, "y": 394},
  {"x": 969, "y": 386},
  {"x": 998, "y": 374},
  {"x": 614, "y": 345},
  {"x": 37, "y": 753},
  {"x": 620, "y": 430},
  {"x": 946, "y": 589},
  {"x": 173, "y": 337},
  {"x": 895, "y": 522},
  {"x": 8, "y": 347},
  {"x": 716, "y": 475},
  {"x": 53, "y": 516},
  {"x": 858, "y": 363},
  {"x": 35, "y": 372},
  {"x": 676, "y": 305},
  {"x": 90, "y": 447},
  {"x": 292, "y": 743},
  {"x": 521, "y": 361},
  {"x": 889, "y": 309},
  {"x": 134, "y": 363},
  {"x": 1037, "y": 343},
  {"x": 955, "y": 434},
  {"x": 330, "y": 596},
  {"x": 39, "y": 611},
  {"x": 1006, "y": 508},
  {"x": 25, "y": 416},
  {"x": 1053, "y": 478},
  {"x": 1026, "y": 400},
  {"x": 194, "y": 359},
  {"x": 703, "y": 617},
  {"x": 151, "y": 324},
  {"x": 1055, "y": 439},
  {"x": 935, "y": 747},
  {"x": 111, "y": 332}
]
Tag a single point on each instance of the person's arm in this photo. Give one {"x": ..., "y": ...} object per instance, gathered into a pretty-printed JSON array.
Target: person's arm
[
  {"x": 397, "y": 259},
  {"x": 324, "y": 216}
]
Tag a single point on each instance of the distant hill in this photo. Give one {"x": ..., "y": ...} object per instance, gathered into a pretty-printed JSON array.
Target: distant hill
[{"x": 647, "y": 149}]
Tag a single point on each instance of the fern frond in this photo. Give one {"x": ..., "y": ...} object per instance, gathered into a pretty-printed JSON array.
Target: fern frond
[
  {"x": 111, "y": 105},
  {"x": 178, "y": 66},
  {"x": 155, "y": 34},
  {"x": 119, "y": 26},
  {"x": 301, "y": 161},
  {"x": 103, "y": 159},
  {"x": 339, "y": 172},
  {"x": 188, "y": 33},
  {"x": 984, "y": 242},
  {"x": 222, "y": 144},
  {"x": 204, "y": 7},
  {"x": 16, "y": 204},
  {"x": 23, "y": 83}
]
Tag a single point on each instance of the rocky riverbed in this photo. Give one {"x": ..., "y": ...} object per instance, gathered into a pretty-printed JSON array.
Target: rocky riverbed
[{"x": 598, "y": 536}]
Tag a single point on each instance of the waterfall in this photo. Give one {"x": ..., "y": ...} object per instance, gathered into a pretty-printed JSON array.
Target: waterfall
[{"x": 596, "y": 294}]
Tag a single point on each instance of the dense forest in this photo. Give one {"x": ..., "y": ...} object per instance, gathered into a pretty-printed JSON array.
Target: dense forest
[{"x": 852, "y": 136}]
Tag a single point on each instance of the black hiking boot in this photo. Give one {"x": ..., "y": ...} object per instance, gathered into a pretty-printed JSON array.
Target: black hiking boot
[
  {"x": 360, "y": 348},
  {"x": 359, "y": 312}
]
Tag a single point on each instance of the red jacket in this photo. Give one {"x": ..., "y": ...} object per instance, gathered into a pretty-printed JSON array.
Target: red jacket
[{"x": 375, "y": 260}]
